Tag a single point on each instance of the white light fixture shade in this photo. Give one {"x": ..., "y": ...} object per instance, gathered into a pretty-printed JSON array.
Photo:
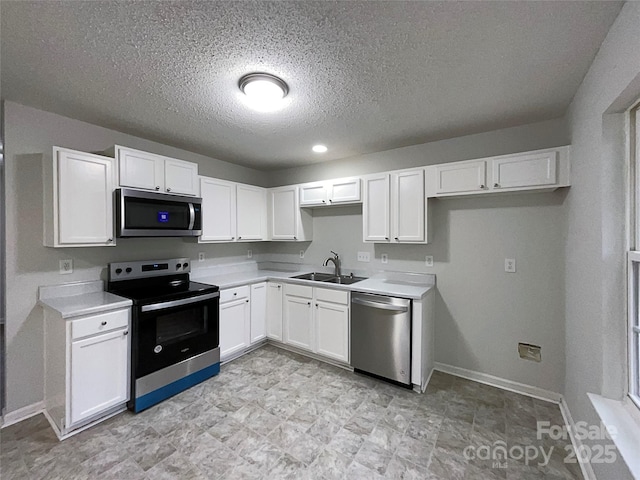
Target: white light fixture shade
[
  {"x": 319, "y": 148},
  {"x": 263, "y": 91}
]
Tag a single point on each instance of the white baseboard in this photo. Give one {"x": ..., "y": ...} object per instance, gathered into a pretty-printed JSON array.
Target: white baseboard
[
  {"x": 22, "y": 414},
  {"x": 587, "y": 469},
  {"x": 503, "y": 383}
]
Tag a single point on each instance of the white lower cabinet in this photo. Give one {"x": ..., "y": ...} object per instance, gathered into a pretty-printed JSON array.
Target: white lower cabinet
[
  {"x": 86, "y": 368},
  {"x": 235, "y": 328},
  {"x": 258, "y": 312},
  {"x": 274, "y": 311},
  {"x": 317, "y": 320}
]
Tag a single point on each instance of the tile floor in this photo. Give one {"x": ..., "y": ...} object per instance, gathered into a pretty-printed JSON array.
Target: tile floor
[{"x": 272, "y": 414}]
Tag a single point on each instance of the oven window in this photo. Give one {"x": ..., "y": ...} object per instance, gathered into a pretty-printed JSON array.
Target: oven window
[{"x": 181, "y": 325}]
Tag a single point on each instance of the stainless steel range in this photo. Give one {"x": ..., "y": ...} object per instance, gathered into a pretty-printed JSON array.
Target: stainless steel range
[{"x": 175, "y": 328}]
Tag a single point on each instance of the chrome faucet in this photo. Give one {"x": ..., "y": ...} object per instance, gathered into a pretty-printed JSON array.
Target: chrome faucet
[{"x": 336, "y": 262}]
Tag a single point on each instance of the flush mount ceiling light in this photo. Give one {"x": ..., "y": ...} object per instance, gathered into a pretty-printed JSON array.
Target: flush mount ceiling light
[
  {"x": 263, "y": 90},
  {"x": 319, "y": 148}
]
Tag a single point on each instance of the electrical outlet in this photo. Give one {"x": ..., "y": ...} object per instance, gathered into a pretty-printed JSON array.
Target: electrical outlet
[
  {"x": 201, "y": 257},
  {"x": 249, "y": 253},
  {"x": 510, "y": 265},
  {"x": 428, "y": 260},
  {"x": 301, "y": 253},
  {"x": 530, "y": 352},
  {"x": 364, "y": 257},
  {"x": 66, "y": 267},
  {"x": 384, "y": 258}
]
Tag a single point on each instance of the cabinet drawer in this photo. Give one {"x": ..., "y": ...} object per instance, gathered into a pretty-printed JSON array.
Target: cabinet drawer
[
  {"x": 299, "y": 290},
  {"x": 333, "y": 296},
  {"x": 234, "y": 294},
  {"x": 100, "y": 323}
]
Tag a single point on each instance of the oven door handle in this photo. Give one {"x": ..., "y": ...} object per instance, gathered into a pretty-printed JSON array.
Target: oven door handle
[{"x": 178, "y": 303}]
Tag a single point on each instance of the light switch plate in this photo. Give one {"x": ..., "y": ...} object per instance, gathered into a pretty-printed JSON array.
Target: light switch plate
[
  {"x": 66, "y": 267},
  {"x": 201, "y": 257},
  {"x": 428, "y": 260},
  {"x": 249, "y": 253},
  {"x": 364, "y": 257},
  {"x": 510, "y": 265},
  {"x": 384, "y": 258}
]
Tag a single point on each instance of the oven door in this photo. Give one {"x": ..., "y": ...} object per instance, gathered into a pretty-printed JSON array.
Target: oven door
[{"x": 166, "y": 333}]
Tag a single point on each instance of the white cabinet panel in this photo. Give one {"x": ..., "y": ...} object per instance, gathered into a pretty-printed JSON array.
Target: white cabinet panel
[
  {"x": 140, "y": 169},
  {"x": 524, "y": 170},
  {"x": 408, "y": 206},
  {"x": 78, "y": 209},
  {"x": 298, "y": 322},
  {"x": 344, "y": 191},
  {"x": 251, "y": 212},
  {"x": 375, "y": 209},
  {"x": 332, "y": 330},
  {"x": 234, "y": 328},
  {"x": 313, "y": 194},
  {"x": 283, "y": 214},
  {"x": 180, "y": 177},
  {"x": 99, "y": 374},
  {"x": 258, "y": 312},
  {"x": 274, "y": 311},
  {"x": 461, "y": 177},
  {"x": 218, "y": 210}
]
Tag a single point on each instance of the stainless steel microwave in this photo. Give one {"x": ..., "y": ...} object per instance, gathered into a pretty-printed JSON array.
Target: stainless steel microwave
[{"x": 151, "y": 214}]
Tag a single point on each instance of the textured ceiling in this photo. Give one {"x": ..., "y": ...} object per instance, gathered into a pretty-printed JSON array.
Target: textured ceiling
[{"x": 363, "y": 76}]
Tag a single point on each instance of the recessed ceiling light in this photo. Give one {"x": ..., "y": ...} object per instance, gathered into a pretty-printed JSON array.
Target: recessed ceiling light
[
  {"x": 264, "y": 91},
  {"x": 319, "y": 148}
]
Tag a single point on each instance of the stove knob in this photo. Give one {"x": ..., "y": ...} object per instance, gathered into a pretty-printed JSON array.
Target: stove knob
[
  {"x": 178, "y": 266},
  {"x": 118, "y": 271},
  {"x": 185, "y": 265},
  {"x": 128, "y": 270}
]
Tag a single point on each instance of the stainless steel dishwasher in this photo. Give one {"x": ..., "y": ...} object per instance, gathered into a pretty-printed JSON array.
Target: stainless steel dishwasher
[{"x": 381, "y": 336}]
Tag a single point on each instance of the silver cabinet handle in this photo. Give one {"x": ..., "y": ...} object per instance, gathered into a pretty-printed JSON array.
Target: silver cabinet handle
[
  {"x": 382, "y": 306},
  {"x": 247, "y": 300},
  {"x": 279, "y": 286},
  {"x": 323, "y": 201},
  {"x": 386, "y": 238},
  {"x": 395, "y": 238},
  {"x": 168, "y": 189},
  {"x": 235, "y": 293},
  {"x": 157, "y": 187},
  {"x": 103, "y": 323},
  {"x": 126, "y": 332},
  {"x": 481, "y": 187},
  {"x": 295, "y": 238},
  {"x": 178, "y": 303},
  {"x": 233, "y": 238},
  {"x": 496, "y": 185},
  {"x": 239, "y": 237},
  {"x": 110, "y": 240},
  {"x": 309, "y": 303}
]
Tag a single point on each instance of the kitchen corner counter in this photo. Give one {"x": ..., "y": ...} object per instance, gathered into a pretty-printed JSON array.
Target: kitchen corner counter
[
  {"x": 81, "y": 298},
  {"x": 406, "y": 285}
]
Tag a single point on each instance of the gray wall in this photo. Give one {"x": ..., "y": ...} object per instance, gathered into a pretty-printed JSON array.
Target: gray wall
[
  {"x": 30, "y": 133},
  {"x": 481, "y": 311},
  {"x": 595, "y": 246}
]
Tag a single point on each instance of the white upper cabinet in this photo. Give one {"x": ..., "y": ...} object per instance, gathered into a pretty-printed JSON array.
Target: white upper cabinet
[
  {"x": 149, "y": 171},
  {"x": 460, "y": 177},
  {"x": 286, "y": 220},
  {"x": 251, "y": 213},
  {"x": 524, "y": 170},
  {"x": 232, "y": 212},
  {"x": 376, "y": 208},
  {"x": 78, "y": 199},
  {"x": 395, "y": 208},
  {"x": 332, "y": 192},
  {"x": 542, "y": 170}
]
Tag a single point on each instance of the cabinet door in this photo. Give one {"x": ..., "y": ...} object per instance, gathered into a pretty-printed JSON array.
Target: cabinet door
[
  {"x": 140, "y": 169},
  {"x": 274, "y": 311},
  {"x": 461, "y": 177},
  {"x": 298, "y": 322},
  {"x": 99, "y": 374},
  {"x": 180, "y": 177},
  {"x": 258, "y": 312},
  {"x": 313, "y": 194},
  {"x": 251, "y": 212},
  {"x": 531, "y": 170},
  {"x": 345, "y": 191},
  {"x": 234, "y": 328},
  {"x": 284, "y": 214},
  {"x": 332, "y": 330},
  {"x": 218, "y": 210},
  {"x": 408, "y": 206},
  {"x": 375, "y": 209},
  {"x": 85, "y": 199}
]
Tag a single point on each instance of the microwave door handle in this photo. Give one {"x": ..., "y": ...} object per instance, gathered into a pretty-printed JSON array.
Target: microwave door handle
[
  {"x": 178, "y": 303},
  {"x": 192, "y": 216}
]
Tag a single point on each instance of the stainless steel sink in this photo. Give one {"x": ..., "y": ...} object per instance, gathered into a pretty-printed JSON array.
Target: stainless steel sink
[
  {"x": 316, "y": 276},
  {"x": 344, "y": 279}
]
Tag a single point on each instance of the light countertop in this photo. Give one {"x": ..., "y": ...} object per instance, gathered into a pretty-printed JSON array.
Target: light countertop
[{"x": 80, "y": 298}]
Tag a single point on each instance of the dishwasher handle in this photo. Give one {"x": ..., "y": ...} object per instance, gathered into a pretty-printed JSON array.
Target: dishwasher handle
[{"x": 382, "y": 306}]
